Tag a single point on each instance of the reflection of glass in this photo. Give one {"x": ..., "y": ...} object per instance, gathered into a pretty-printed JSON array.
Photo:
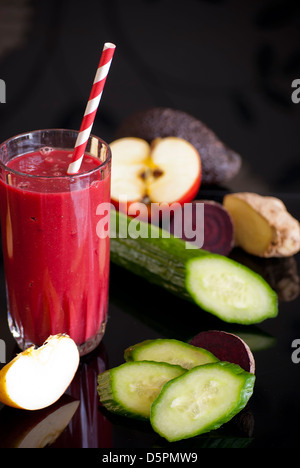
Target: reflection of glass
[
  {"x": 89, "y": 428},
  {"x": 56, "y": 266}
]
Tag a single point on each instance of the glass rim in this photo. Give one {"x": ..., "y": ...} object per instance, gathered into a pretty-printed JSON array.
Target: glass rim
[{"x": 65, "y": 176}]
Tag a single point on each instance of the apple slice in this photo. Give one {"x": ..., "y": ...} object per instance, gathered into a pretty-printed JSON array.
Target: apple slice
[
  {"x": 36, "y": 378},
  {"x": 167, "y": 171}
]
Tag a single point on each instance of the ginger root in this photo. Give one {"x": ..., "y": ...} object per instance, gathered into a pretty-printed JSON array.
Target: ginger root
[{"x": 262, "y": 225}]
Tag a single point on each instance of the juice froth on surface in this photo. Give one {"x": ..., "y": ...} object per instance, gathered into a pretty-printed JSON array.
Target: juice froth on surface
[
  {"x": 56, "y": 266},
  {"x": 48, "y": 162}
]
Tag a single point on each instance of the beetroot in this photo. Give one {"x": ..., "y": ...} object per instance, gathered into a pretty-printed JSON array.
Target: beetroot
[
  {"x": 218, "y": 227},
  {"x": 226, "y": 347}
]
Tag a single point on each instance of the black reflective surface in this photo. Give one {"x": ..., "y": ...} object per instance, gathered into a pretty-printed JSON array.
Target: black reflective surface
[
  {"x": 230, "y": 64},
  {"x": 138, "y": 311}
]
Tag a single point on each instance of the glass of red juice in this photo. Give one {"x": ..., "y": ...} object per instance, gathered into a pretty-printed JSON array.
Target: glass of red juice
[{"x": 56, "y": 265}]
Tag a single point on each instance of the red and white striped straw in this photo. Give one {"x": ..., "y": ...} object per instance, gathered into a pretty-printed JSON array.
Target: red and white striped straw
[{"x": 91, "y": 108}]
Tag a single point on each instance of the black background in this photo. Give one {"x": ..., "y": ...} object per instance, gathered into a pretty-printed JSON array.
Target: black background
[{"x": 229, "y": 63}]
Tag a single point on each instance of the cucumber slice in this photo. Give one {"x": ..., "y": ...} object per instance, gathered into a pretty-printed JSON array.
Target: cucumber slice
[
  {"x": 171, "y": 351},
  {"x": 201, "y": 400},
  {"x": 229, "y": 290},
  {"x": 130, "y": 388}
]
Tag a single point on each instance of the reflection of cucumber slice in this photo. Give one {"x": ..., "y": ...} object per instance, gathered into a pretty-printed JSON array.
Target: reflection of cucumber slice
[
  {"x": 131, "y": 388},
  {"x": 230, "y": 290},
  {"x": 171, "y": 351},
  {"x": 202, "y": 399}
]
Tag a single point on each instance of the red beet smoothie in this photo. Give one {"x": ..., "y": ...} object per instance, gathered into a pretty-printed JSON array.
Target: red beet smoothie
[{"x": 56, "y": 266}]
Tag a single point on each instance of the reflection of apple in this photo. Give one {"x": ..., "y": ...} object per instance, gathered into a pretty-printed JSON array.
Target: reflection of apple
[
  {"x": 167, "y": 171},
  {"x": 36, "y": 378},
  {"x": 35, "y": 429}
]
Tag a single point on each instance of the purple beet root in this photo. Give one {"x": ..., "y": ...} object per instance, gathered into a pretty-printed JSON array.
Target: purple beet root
[
  {"x": 226, "y": 347},
  {"x": 216, "y": 225}
]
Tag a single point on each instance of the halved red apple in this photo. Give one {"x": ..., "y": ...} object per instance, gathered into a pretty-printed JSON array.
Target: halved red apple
[
  {"x": 37, "y": 378},
  {"x": 167, "y": 171}
]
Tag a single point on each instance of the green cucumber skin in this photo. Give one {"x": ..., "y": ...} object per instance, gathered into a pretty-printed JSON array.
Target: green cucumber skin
[
  {"x": 132, "y": 353},
  {"x": 165, "y": 261},
  {"x": 245, "y": 395},
  {"x": 157, "y": 260},
  {"x": 107, "y": 394}
]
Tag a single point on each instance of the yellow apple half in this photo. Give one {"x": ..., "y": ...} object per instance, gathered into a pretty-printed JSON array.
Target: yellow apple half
[{"x": 36, "y": 378}]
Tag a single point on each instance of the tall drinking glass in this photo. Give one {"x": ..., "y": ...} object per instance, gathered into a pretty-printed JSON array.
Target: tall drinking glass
[{"x": 56, "y": 266}]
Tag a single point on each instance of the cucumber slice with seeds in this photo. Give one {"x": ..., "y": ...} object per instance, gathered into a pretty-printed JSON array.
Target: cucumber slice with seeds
[
  {"x": 131, "y": 388},
  {"x": 201, "y": 400},
  {"x": 171, "y": 351},
  {"x": 230, "y": 290}
]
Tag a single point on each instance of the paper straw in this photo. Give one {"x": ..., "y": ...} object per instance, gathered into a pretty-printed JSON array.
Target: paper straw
[{"x": 91, "y": 108}]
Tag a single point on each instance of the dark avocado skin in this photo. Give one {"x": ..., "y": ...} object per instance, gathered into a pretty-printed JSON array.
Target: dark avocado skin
[{"x": 219, "y": 163}]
